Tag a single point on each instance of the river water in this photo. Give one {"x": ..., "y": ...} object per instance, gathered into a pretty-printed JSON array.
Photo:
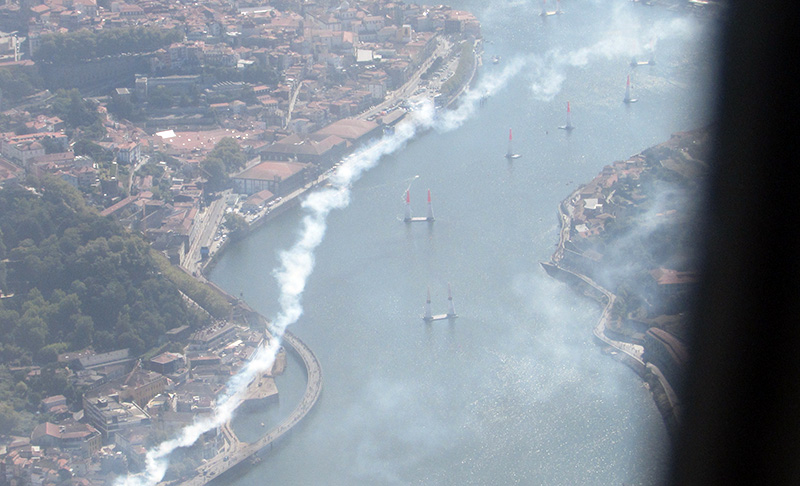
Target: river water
[{"x": 514, "y": 391}]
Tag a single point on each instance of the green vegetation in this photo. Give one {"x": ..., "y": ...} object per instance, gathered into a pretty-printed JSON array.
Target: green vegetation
[
  {"x": 125, "y": 108},
  {"x": 79, "y": 114},
  {"x": 91, "y": 149},
  {"x": 226, "y": 157},
  {"x": 17, "y": 82},
  {"x": 84, "y": 45},
  {"x": 435, "y": 65},
  {"x": 236, "y": 224},
  {"x": 466, "y": 62},
  {"x": 206, "y": 297},
  {"x": 15, "y": 418},
  {"x": 78, "y": 279}
]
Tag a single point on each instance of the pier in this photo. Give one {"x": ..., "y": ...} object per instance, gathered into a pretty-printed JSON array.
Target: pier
[{"x": 234, "y": 452}]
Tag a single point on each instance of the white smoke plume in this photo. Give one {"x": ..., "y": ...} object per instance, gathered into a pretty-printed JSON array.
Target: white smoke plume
[
  {"x": 624, "y": 38},
  {"x": 297, "y": 263}
]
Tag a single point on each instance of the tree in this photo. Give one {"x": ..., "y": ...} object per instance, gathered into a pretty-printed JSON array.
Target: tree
[
  {"x": 84, "y": 330},
  {"x": 91, "y": 149},
  {"x": 236, "y": 224},
  {"x": 18, "y": 82},
  {"x": 49, "y": 354},
  {"x": 229, "y": 153},
  {"x": 160, "y": 97},
  {"x": 70, "y": 106},
  {"x": 216, "y": 175},
  {"x": 84, "y": 45},
  {"x": 8, "y": 418}
]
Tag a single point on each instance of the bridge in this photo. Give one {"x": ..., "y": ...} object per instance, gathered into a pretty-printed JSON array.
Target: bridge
[{"x": 234, "y": 452}]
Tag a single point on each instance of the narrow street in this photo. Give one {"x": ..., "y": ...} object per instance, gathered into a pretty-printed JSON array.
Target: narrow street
[{"x": 207, "y": 222}]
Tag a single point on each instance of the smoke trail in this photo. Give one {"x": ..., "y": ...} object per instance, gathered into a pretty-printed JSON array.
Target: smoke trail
[
  {"x": 297, "y": 263},
  {"x": 408, "y": 189},
  {"x": 623, "y": 39}
]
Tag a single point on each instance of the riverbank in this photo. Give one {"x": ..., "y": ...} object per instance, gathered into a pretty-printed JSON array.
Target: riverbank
[
  {"x": 294, "y": 199},
  {"x": 625, "y": 327},
  {"x": 236, "y": 452}
]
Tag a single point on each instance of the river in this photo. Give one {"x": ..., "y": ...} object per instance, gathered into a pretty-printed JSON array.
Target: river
[{"x": 515, "y": 391}]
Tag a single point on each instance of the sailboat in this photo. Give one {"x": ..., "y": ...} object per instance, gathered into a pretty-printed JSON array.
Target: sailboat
[
  {"x": 510, "y": 154},
  {"x": 569, "y": 126},
  {"x": 627, "y": 98}
]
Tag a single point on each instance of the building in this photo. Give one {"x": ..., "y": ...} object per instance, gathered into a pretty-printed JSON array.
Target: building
[
  {"x": 144, "y": 85},
  {"x": 92, "y": 361},
  {"x": 23, "y": 148},
  {"x": 353, "y": 130},
  {"x": 142, "y": 385},
  {"x": 279, "y": 178},
  {"x": 9, "y": 172},
  {"x": 166, "y": 363},
  {"x": 322, "y": 150},
  {"x": 178, "y": 333},
  {"x": 671, "y": 282},
  {"x": 257, "y": 201},
  {"x": 54, "y": 404},
  {"x": 211, "y": 336},
  {"x": 132, "y": 442},
  {"x": 110, "y": 416},
  {"x": 82, "y": 439}
]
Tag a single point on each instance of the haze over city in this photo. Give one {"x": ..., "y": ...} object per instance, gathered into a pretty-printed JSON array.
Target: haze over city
[{"x": 210, "y": 265}]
